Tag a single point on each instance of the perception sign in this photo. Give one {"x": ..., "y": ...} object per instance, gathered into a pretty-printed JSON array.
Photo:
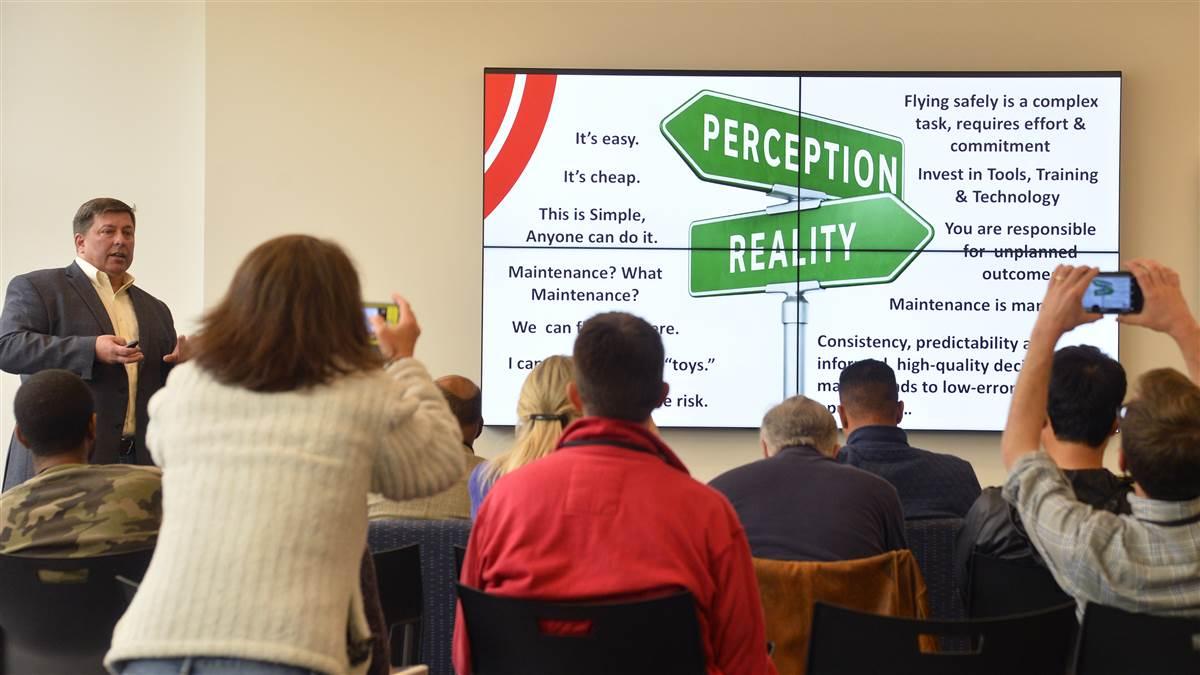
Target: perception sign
[{"x": 744, "y": 143}]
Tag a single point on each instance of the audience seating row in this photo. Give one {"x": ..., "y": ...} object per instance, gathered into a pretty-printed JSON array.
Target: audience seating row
[{"x": 418, "y": 562}]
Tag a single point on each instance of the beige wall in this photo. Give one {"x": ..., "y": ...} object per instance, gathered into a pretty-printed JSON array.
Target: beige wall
[
  {"x": 362, "y": 122},
  {"x": 102, "y": 99}
]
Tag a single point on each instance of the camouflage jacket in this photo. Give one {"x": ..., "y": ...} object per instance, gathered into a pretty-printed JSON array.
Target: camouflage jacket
[{"x": 82, "y": 510}]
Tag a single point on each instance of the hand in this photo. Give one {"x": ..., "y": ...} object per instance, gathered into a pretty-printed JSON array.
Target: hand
[
  {"x": 1163, "y": 308},
  {"x": 112, "y": 349},
  {"x": 397, "y": 341},
  {"x": 181, "y": 353},
  {"x": 1062, "y": 308}
]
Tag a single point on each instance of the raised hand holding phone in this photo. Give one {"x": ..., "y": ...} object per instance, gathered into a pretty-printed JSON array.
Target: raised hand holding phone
[{"x": 398, "y": 340}]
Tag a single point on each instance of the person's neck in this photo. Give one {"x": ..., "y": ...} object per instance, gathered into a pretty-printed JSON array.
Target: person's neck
[
  {"x": 42, "y": 463},
  {"x": 1072, "y": 456},
  {"x": 853, "y": 425}
]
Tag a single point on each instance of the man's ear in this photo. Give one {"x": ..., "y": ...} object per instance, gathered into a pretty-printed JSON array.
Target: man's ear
[
  {"x": 79, "y": 242},
  {"x": 666, "y": 391},
  {"x": 20, "y": 436},
  {"x": 91, "y": 428},
  {"x": 899, "y": 412},
  {"x": 573, "y": 397},
  {"x": 478, "y": 429},
  {"x": 762, "y": 443},
  {"x": 842, "y": 417},
  {"x": 1116, "y": 428}
]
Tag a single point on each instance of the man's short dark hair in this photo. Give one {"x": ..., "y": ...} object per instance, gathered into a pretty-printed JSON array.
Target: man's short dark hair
[
  {"x": 53, "y": 409},
  {"x": 94, "y": 207},
  {"x": 868, "y": 386},
  {"x": 1086, "y": 390},
  {"x": 619, "y": 366},
  {"x": 1160, "y": 436},
  {"x": 467, "y": 411}
]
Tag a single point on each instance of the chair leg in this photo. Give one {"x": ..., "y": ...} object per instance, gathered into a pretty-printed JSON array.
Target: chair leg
[{"x": 406, "y": 644}]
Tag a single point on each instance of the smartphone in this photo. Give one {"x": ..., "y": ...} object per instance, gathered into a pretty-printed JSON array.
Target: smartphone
[
  {"x": 389, "y": 312},
  {"x": 131, "y": 344},
  {"x": 1113, "y": 293}
]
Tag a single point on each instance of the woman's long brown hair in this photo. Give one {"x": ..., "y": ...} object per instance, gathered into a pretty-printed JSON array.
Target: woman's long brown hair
[{"x": 292, "y": 319}]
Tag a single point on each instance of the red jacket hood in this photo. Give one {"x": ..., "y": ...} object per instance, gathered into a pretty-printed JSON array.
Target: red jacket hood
[{"x": 606, "y": 431}]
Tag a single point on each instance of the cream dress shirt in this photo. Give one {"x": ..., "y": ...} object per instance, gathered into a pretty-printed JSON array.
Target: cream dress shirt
[{"x": 119, "y": 306}]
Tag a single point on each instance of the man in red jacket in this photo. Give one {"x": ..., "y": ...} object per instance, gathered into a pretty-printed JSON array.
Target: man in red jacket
[{"x": 613, "y": 514}]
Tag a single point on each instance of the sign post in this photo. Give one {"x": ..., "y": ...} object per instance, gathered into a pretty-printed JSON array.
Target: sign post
[{"x": 842, "y": 222}]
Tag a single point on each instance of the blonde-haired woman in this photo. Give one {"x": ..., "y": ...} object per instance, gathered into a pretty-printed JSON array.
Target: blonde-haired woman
[{"x": 543, "y": 411}]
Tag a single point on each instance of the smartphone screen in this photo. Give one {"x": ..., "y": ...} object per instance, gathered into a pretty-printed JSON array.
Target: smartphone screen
[
  {"x": 1113, "y": 293},
  {"x": 388, "y": 312}
]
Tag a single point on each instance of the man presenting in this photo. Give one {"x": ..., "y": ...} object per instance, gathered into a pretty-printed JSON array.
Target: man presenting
[{"x": 90, "y": 319}]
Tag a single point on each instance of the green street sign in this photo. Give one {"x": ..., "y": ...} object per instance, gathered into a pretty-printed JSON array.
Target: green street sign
[
  {"x": 743, "y": 143},
  {"x": 848, "y": 242}
]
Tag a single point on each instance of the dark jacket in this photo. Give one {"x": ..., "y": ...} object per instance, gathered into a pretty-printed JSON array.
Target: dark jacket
[
  {"x": 803, "y": 505},
  {"x": 993, "y": 528},
  {"x": 931, "y": 485},
  {"x": 51, "y": 319}
]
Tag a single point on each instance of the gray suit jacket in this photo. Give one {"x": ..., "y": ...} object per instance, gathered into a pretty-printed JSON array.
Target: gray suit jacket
[{"x": 51, "y": 319}]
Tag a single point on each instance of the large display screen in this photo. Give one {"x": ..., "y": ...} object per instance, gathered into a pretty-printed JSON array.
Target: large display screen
[{"x": 776, "y": 227}]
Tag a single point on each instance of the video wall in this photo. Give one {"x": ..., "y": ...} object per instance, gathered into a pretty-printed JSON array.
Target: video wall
[{"x": 776, "y": 227}]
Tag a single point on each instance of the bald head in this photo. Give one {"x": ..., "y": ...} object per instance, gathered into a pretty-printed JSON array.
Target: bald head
[{"x": 466, "y": 402}]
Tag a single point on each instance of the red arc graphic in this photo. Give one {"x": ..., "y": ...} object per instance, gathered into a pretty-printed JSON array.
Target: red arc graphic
[{"x": 518, "y": 146}]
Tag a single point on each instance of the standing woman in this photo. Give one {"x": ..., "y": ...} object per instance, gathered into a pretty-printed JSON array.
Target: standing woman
[
  {"x": 269, "y": 439},
  {"x": 543, "y": 411}
]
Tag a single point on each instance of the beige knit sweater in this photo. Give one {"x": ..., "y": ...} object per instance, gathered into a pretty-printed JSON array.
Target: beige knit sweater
[{"x": 265, "y": 511}]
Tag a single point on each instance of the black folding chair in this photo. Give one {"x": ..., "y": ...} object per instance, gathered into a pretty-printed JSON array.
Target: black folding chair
[
  {"x": 511, "y": 636},
  {"x": 57, "y": 614},
  {"x": 844, "y": 641},
  {"x": 1114, "y": 641},
  {"x": 399, "y": 575},
  {"x": 1001, "y": 587}
]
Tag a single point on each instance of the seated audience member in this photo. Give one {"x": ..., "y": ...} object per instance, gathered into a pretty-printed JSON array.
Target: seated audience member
[
  {"x": 801, "y": 504},
  {"x": 931, "y": 485},
  {"x": 466, "y": 402},
  {"x": 72, "y": 509},
  {"x": 612, "y": 513},
  {"x": 1147, "y": 562},
  {"x": 1086, "y": 390},
  {"x": 543, "y": 411}
]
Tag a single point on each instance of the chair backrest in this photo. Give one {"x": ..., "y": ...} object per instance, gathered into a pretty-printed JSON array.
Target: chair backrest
[
  {"x": 884, "y": 584},
  {"x": 460, "y": 555},
  {"x": 398, "y": 572},
  {"x": 1001, "y": 587},
  {"x": 398, "y": 578},
  {"x": 845, "y": 641},
  {"x": 512, "y": 636},
  {"x": 1115, "y": 641},
  {"x": 57, "y": 614},
  {"x": 437, "y": 539},
  {"x": 932, "y": 543}
]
